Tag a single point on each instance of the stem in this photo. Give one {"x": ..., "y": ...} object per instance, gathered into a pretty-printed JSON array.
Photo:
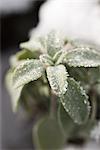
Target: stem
[
  {"x": 93, "y": 103},
  {"x": 53, "y": 105}
]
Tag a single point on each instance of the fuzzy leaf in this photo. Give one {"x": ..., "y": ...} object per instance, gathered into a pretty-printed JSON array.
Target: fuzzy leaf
[
  {"x": 46, "y": 59},
  {"x": 57, "y": 76},
  {"x": 54, "y": 43},
  {"x": 75, "y": 102},
  {"x": 27, "y": 71},
  {"x": 14, "y": 93},
  {"x": 47, "y": 134},
  {"x": 35, "y": 44},
  {"x": 86, "y": 57}
]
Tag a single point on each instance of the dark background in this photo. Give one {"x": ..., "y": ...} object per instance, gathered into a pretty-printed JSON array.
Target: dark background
[{"x": 15, "y": 129}]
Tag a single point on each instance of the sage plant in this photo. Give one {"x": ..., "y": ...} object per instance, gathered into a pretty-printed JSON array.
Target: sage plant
[{"x": 61, "y": 75}]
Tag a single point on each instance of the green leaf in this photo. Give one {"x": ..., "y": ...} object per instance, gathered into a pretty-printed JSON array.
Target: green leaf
[
  {"x": 57, "y": 76},
  {"x": 65, "y": 122},
  {"x": 79, "y": 74},
  {"x": 94, "y": 75},
  {"x": 14, "y": 93},
  {"x": 27, "y": 71},
  {"x": 71, "y": 129},
  {"x": 75, "y": 102},
  {"x": 47, "y": 134},
  {"x": 54, "y": 43},
  {"x": 24, "y": 54},
  {"x": 86, "y": 57},
  {"x": 33, "y": 96},
  {"x": 20, "y": 57}
]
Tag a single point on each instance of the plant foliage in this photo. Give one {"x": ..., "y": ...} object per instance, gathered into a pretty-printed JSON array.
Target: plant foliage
[{"x": 67, "y": 75}]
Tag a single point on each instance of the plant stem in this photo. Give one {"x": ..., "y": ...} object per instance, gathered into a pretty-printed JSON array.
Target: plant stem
[
  {"x": 53, "y": 105},
  {"x": 93, "y": 103}
]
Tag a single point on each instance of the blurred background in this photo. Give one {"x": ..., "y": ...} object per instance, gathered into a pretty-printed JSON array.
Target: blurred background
[
  {"x": 21, "y": 20},
  {"x": 17, "y": 17}
]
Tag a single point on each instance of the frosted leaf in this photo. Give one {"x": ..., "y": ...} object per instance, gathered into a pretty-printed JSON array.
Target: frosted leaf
[
  {"x": 54, "y": 43},
  {"x": 27, "y": 71},
  {"x": 83, "y": 43},
  {"x": 46, "y": 59},
  {"x": 36, "y": 44},
  {"x": 14, "y": 93},
  {"x": 86, "y": 57},
  {"x": 57, "y": 76},
  {"x": 75, "y": 102}
]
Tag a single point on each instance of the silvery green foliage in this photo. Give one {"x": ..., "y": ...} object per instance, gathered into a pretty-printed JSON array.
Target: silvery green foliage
[
  {"x": 57, "y": 76},
  {"x": 54, "y": 43},
  {"x": 33, "y": 45},
  {"x": 68, "y": 73},
  {"x": 75, "y": 100},
  {"x": 46, "y": 59},
  {"x": 84, "y": 56},
  {"x": 27, "y": 71},
  {"x": 14, "y": 93}
]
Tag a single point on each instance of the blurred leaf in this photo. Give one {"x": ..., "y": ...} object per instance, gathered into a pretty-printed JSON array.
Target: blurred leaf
[
  {"x": 86, "y": 57},
  {"x": 47, "y": 134},
  {"x": 75, "y": 102},
  {"x": 14, "y": 61},
  {"x": 57, "y": 76},
  {"x": 34, "y": 44},
  {"x": 95, "y": 134},
  {"x": 14, "y": 93},
  {"x": 35, "y": 97},
  {"x": 27, "y": 71},
  {"x": 24, "y": 54}
]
